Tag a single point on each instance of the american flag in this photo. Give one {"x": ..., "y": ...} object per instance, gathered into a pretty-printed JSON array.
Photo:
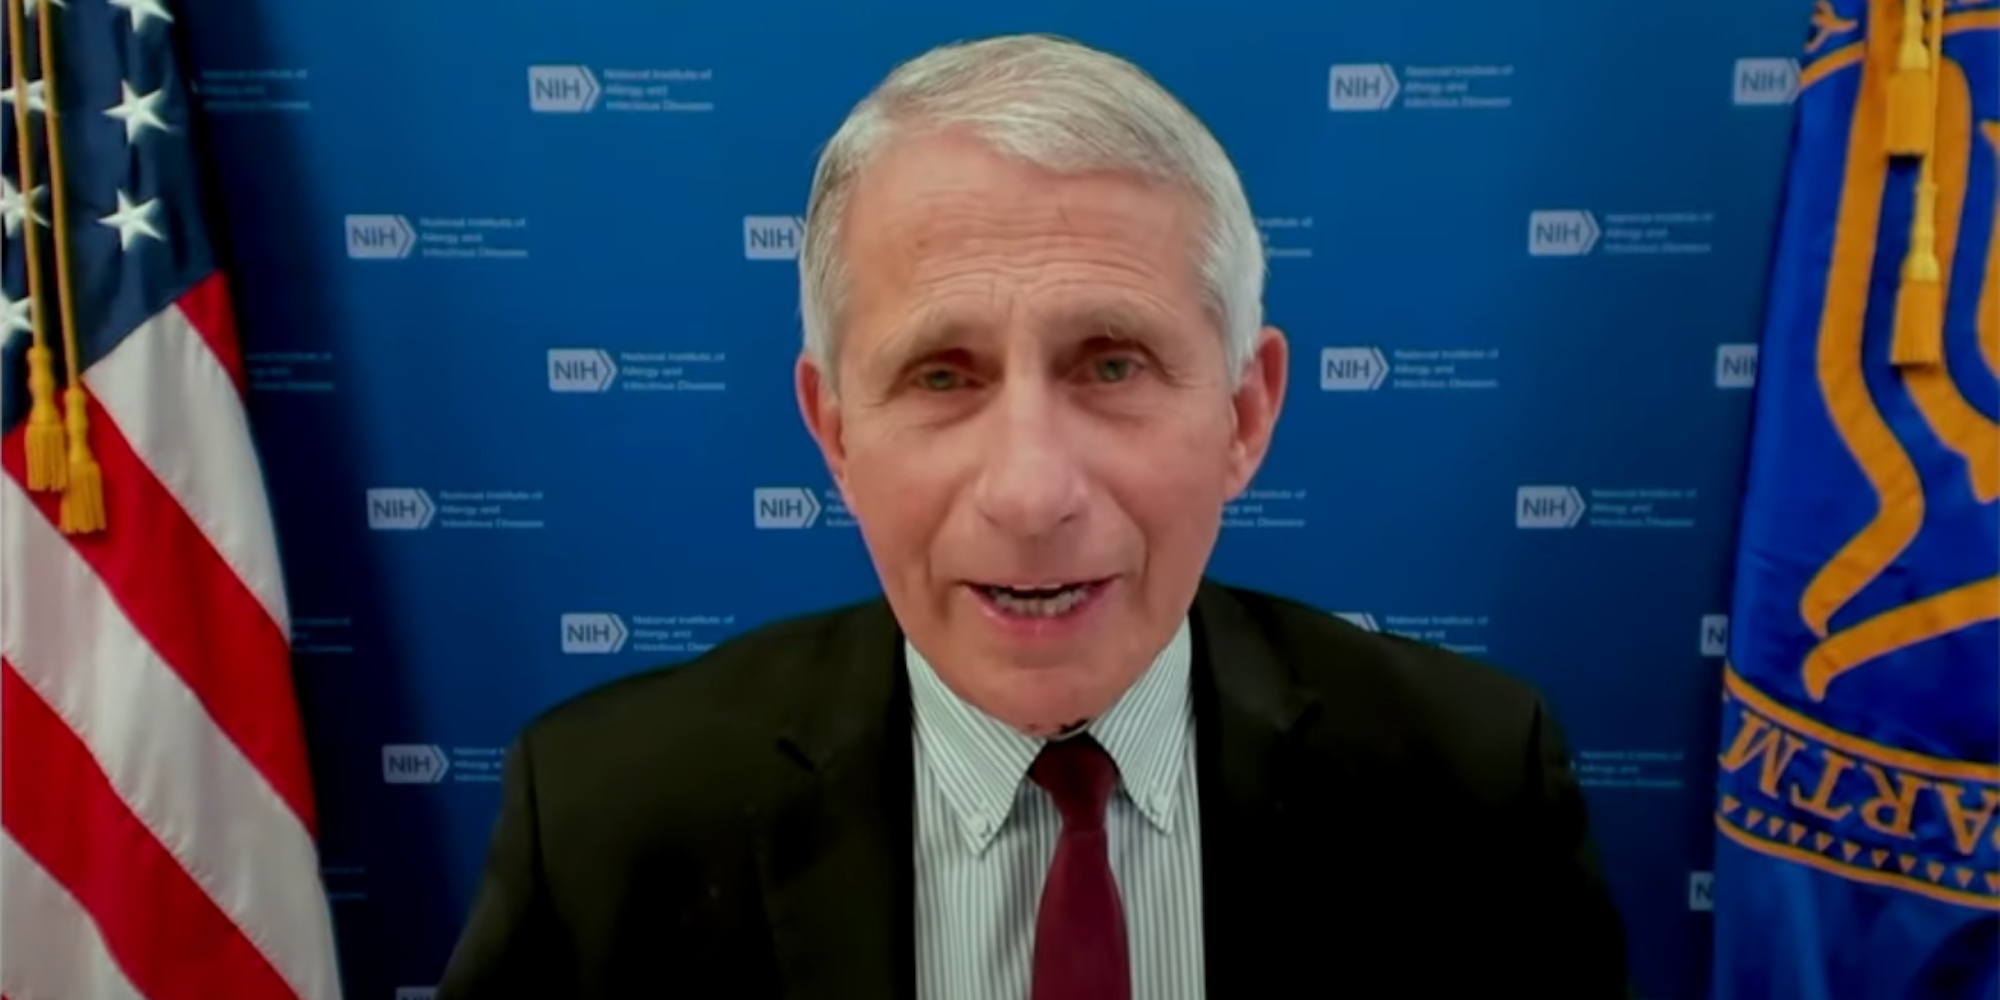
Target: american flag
[{"x": 157, "y": 828}]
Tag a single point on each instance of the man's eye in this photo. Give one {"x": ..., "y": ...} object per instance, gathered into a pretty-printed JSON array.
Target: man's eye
[
  {"x": 938, "y": 379},
  {"x": 1114, "y": 369}
]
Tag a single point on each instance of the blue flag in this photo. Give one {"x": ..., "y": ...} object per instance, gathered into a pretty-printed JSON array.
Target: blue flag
[{"x": 1858, "y": 806}]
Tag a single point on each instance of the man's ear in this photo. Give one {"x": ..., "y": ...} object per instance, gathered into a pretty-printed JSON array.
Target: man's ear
[
  {"x": 1257, "y": 403},
  {"x": 821, "y": 412}
]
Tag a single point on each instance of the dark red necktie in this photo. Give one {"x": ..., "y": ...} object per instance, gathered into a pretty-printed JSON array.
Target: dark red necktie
[{"x": 1080, "y": 947}]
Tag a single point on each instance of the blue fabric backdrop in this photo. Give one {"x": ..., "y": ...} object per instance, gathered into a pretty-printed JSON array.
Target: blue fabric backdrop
[{"x": 517, "y": 284}]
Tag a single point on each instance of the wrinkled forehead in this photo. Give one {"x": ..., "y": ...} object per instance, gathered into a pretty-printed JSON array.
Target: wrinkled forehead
[{"x": 942, "y": 237}]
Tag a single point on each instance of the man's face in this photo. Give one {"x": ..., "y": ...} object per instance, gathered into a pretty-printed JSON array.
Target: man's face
[{"x": 1034, "y": 424}]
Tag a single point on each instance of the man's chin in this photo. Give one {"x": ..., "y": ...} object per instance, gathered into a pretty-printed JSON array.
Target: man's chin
[{"x": 1043, "y": 700}]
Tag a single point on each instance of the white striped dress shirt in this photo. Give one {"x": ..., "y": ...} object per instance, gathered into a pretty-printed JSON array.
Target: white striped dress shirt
[{"x": 986, "y": 834}]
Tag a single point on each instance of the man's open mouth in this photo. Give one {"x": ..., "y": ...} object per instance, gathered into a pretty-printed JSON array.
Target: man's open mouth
[{"x": 1049, "y": 601}]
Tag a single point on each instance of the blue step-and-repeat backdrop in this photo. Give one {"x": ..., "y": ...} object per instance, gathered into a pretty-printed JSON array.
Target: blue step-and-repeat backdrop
[{"x": 517, "y": 283}]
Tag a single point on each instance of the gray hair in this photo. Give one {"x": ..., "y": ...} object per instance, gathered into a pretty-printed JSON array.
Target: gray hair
[{"x": 1059, "y": 105}]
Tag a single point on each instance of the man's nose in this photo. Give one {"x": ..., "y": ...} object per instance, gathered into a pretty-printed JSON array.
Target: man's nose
[{"x": 1029, "y": 482}]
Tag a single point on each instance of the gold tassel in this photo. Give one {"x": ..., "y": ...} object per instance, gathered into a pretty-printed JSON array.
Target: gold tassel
[
  {"x": 1918, "y": 340},
  {"x": 83, "y": 509},
  {"x": 1919, "y": 336},
  {"x": 83, "y": 501},
  {"x": 1912, "y": 117},
  {"x": 47, "y": 470}
]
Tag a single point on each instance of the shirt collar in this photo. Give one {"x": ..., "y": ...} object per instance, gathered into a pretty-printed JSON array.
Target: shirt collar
[{"x": 980, "y": 762}]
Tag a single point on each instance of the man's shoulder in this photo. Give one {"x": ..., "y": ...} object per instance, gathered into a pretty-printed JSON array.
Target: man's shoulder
[
  {"x": 1330, "y": 652},
  {"x": 1396, "y": 696},
  {"x": 742, "y": 688},
  {"x": 1400, "y": 699}
]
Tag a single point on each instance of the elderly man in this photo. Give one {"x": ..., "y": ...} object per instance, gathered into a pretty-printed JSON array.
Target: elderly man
[{"x": 1054, "y": 762}]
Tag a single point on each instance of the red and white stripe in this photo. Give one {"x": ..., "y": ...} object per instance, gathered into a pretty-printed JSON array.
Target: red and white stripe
[{"x": 157, "y": 827}]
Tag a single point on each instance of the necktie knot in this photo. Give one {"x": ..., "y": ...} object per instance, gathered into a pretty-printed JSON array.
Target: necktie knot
[{"x": 1080, "y": 776}]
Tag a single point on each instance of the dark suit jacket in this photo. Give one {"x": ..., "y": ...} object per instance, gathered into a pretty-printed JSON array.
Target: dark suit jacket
[{"x": 1379, "y": 818}]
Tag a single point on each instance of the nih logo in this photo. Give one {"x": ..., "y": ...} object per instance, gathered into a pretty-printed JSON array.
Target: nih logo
[
  {"x": 1765, "y": 82},
  {"x": 1701, "y": 891},
  {"x": 379, "y": 237},
  {"x": 1714, "y": 636},
  {"x": 1736, "y": 366},
  {"x": 574, "y": 369},
  {"x": 785, "y": 507},
  {"x": 413, "y": 764},
  {"x": 399, "y": 509},
  {"x": 773, "y": 237},
  {"x": 1351, "y": 369},
  {"x": 1359, "y": 619},
  {"x": 593, "y": 634},
  {"x": 1561, "y": 232},
  {"x": 1362, "y": 87},
  {"x": 1547, "y": 507},
  {"x": 563, "y": 90}
]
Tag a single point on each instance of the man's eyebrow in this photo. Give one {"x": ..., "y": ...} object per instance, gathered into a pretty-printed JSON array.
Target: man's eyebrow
[
  {"x": 922, "y": 335},
  {"x": 1119, "y": 321},
  {"x": 930, "y": 333}
]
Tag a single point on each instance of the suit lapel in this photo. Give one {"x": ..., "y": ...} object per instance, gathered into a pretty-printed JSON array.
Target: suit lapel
[
  {"x": 1248, "y": 719},
  {"x": 837, "y": 860}
]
